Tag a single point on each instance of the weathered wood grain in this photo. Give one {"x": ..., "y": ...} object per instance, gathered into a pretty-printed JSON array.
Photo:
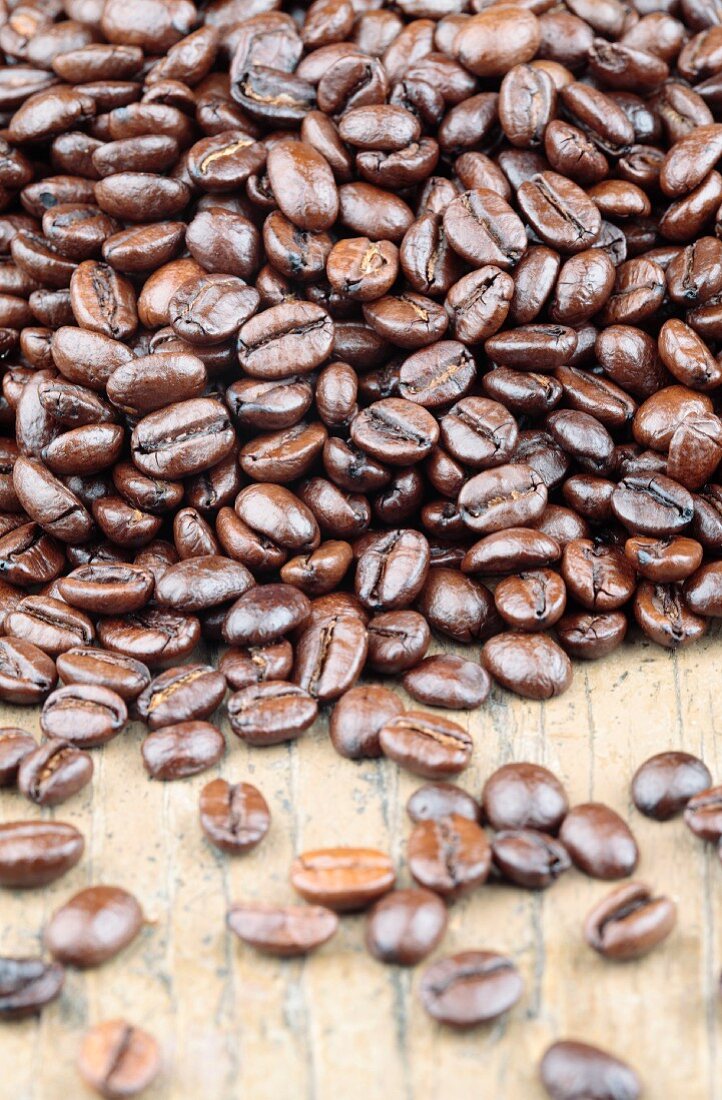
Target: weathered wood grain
[{"x": 237, "y": 1026}]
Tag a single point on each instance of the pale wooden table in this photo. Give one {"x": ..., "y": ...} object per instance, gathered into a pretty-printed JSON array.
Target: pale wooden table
[{"x": 339, "y": 1026}]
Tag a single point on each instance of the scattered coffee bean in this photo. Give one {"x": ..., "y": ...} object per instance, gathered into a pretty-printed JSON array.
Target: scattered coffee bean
[
  {"x": 663, "y": 785},
  {"x": 342, "y": 879},
  {"x": 427, "y": 745},
  {"x": 524, "y": 796},
  {"x": 629, "y": 922},
  {"x": 183, "y": 749},
  {"x": 93, "y": 926},
  {"x": 54, "y": 772},
  {"x": 529, "y": 858},
  {"x": 234, "y": 817},
  {"x": 449, "y": 855},
  {"x": 571, "y": 1070},
  {"x": 470, "y": 988},
  {"x": 598, "y": 841},
  {"x": 118, "y": 1060},
  {"x": 405, "y": 926},
  {"x": 285, "y": 931},
  {"x": 33, "y": 853},
  {"x": 27, "y": 986},
  {"x": 15, "y": 745}
]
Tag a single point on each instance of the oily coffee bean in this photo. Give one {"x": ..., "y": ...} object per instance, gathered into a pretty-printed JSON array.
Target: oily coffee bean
[
  {"x": 396, "y": 640},
  {"x": 436, "y": 800},
  {"x": 663, "y": 785},
  {"x": 426, "y": 745},
  {"x": 524, "y": 796},
  {"x": 107, "y": 588},
  {"x": 83, "y": 714},
  {"x": 571, "y": 1070},
  {"x": 405, "y": 926},
  {"x": 243, "y": 667},
  {"x": 599, "y": 842},
  {"x": 33, "y": 853},
  {"x": 152, "y": 636},
  {"x": 53, "y": 772},
  {"x": 531, "y": 665},
  {"x": 271, "y": 712},
  {"x": 470, "y": 988},
  {"x": 182, "y": 749},
  {"x": 117, "y": 1059},
  {"x": 100, "y": 668},
  {"x": 529, "y": 858},
  {"x": 589, "y": 636},
  {"x": 448, "y": 681},
  {"x": 629, "y": 922},
  {"x": 15, "y": 745},
  {"x": 264, "y": 614},
  {"x": 27, "y": 985},
  {"x": 449, "y": 855},
  {"x": 342, "y": 879},
  {"x": 358, "y": 717},
  {"x": 93, "y": 926},
  {"x": 286, "y": 931},
  {"x": 50, "y": 624},
  {"x": 703, "y": 815},
  {"x": 181, "y": 694},
  {"x": 330, "y": 655},
  {"x": 27, "y": 674},
  {"x": 234, "y": 817}
]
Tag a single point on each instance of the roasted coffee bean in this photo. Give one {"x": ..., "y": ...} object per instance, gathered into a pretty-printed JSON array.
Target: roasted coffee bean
[
  {"x": 629, "y": 922},
  {"x": 427, "y": 745},
  {"x": 99, "y": 668},
  {"x": 93, "y": 926},
  {"x": 483, "y": 229},
  {"x": 531, "y": 600},
  {"x": 663, "y": 614},
  {"x": 449, "y": 855},
  {"x": 330, "y": 655},
  {"x": 470, "y": 988},
  {"x": 448, "y": 681},
  {"x": 456, "y": 605},
  {"x": 83, "y": 714},
  {"x": 358, "y": 717},
  {"x": 243, "y": 667},
  {"x": 599, "y": 842},
  {"x": 524, "y": 796},
  {"x": 436, "y": 800},
  {"x": 531, "y": 665},
  {"x": 50, "y": 624},
  {"x": 34, "y": 853},
  {"x": 508, "y": 496},
  {"x": 703, "y": 814},
  {"x": 234, "y": 817},
  {"x": 514, "y": 549},
  {"x": 184, "y": 748},
  {"x": 15, "y": 745},
  {"x": 571, "y": 1070},
  {"x": 663, "y": 785},
  {"x": 529, "y": 858},
  {"x": 27, "y": 674},
  {"x": 589, "y": 636},
  {"x": 106, "y": 588},
  {"x": 599, "y": 577},
  {"x": 270, "y": 712},
  {"x": 405, "y": 926},
  {"x": 286, "y": 931},
  {"x": 54, "y": 772},
  {"x": 27, "y": 985},
  {"x": 397, "y": 640},
  {"x": 181, "y": 694},
  {"x": 265, "y": 613},
  {"x": 116, "y": 1059},
  {"x": 342, "y": 879}
]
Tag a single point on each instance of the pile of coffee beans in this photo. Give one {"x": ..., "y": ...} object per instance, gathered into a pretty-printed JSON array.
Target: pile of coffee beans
[{"x": 323, "y": 332}]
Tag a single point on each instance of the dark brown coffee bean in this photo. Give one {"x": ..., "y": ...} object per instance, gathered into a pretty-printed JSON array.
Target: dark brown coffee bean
[
  {"x": 629, "y": 922},
  {"x": 271, "y": 712},
  {"x": 472, "y": 987},
  {"x": 663, "y": 785},
  {"x": 234, "y": 817},
  {"x": 98, "y": 668},
  {"x": 83, "y": 714},
  {"x": 663, "y": 614},
  {"x": 330, "y": 655},
  {"x": 434, "y": 801},
  {"x": 571, "y": 1070},
  {"x": 599, "y": 842},
  {"x": 524, "y": 796},
  {"x": 107, "y": 588},
  {"x": 284, "y": 932},
  {"x": 529, "y": 858},
  {"x": 427, "y": 745},
  {"x": 457, "y": 606},
  {"x": 182, "y": 439},
  {"x": 397, "y": 640},
  {"x": 34, "y": 853},
  {"x": 599, "y": 577},
  {"x": 118, "y": 1060},
  {"x": 446, "y": 680},
  {"x": 531, "y": 665},
  {"x": 508, "y": 496},
  {"x": 93, "y": 926},
  {"x": 589, "y": 636},
  {"x": 405, "y": 926},
  {"x": 265, "y": 613},
  {"x": 343, "y": 879},
  {"x": 181, "y": 749},
  {"x": 181, "y": 694},
  {"x": 531, "y": 600},
  {"x": 50, "y": 624},
  {"x": 27, "y": 674},
  {"x": 27, "y": 985},
  {"x": 703, "y": 814},
  {"x": 243, "y": 667},
  {"x": 54, "y": 772},
  {"x": 391, "y": 573},
  {"x": 358, "y": 717},
  {"x": 483, "y": 229},
  {"x": 15, "y": 745}
]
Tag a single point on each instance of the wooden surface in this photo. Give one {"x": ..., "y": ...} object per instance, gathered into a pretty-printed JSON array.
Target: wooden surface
[{"x": 339, "y": 1026}]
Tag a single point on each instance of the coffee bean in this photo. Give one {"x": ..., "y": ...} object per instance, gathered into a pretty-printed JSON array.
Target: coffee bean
[
  {"x": 702, "y": 813},
  {"x": 629, "y": 922},
  {"x": 286, "y": 931},
  {"x": 531, "y": 665},
  {"x": 33, "y": 853},
  {"x": 99, "y": 668},
  {"x": 343, "y": 879},
  {"x": 83, "y": 714},
  {"x": 107, "y": 588},
  {"x": 234, "y": 817},
  {"x": 27, "y": 674},
  {"x": 27, "y": 985},
  {"x": 427, "y": 745},
  {"x": 529, "y": 858},
  {"x": 448, "y": 681},
  {"x": 436, "y": 800},
  {"x": 663, "y": 785},
  {"x": 405, "y": 926},
  {"x": 243, "y": 667},
  {"x": 330, "y": 655},
  {"x": 470, "y": 988},
  {"x": 589, "y": 636},
  {"x": 93, "y": 926},
  {"x": 396, "y": 640},
  {"x": 118, "y": 1060},
  {"x": 152, "y": 636},
  {"x": 571, "y": 1070},
  {"x": 15, "y": 745},
  {"x": 264, "y": 614},
  {"x": 271, "y": 712},
  {"x": 599, "y": 842},
  {"x": 53, "y": 772},
  {"x": 524, "y": 796},
  {"x": 181, "y": 694},
  {"x": 359, "y": 716},
  {"x": 449, "y": 855},
  {"x": 182, "y": 749}
]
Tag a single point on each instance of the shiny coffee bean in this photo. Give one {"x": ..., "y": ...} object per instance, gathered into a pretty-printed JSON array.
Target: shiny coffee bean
[
  {"x": 54, "y": 772},
  {"x": 234, "y": 817},
  {"x": 599, "y": 842},
  {"x": 93, "y": 926},
  {"x": 524, "y": 796},
  {"x": 27, "y": 985},
  {"x": 663, "y": 785},
  {"x": 629, "y": 922},
  {"x": 182, "y": 749},
  {"x": 83, "y": 714},
  {"x": 34, "y": 853},
  {"x": 117, "y": 1059},
  {"x": 405, "y": 926},
  {"x": 426, "y": 745},
  {"x": 529, "y": 858},
  {"x": 285, "y": 932},
  {"x": 571, "y": 1070},
  {"x": 471, "y": 988},
  {"x": 343, "y": 879},
  {"x": 449, "y": 855}
]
